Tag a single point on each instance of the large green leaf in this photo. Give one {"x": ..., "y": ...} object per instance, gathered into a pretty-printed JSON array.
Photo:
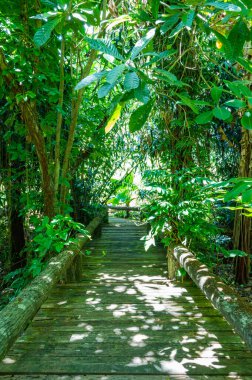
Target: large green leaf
[
  {"x": 247, "y": 196},
  {"x": 142, "y": 43},
  {"x": 169, "y": 23},
  {"x": 188, "y": 19},
  {"x": 238, "y": 36},
  {"x": 44, "y": 33},
  {"x": 44, "y": 16},
  {"x": 104, "y": 46},
  {"x": 204, "y": 117},
  {"x": 246, "y": 120},
  {"x": 235, "y": 103},
  {"x": 188, "y": 102},
  {"x": 155, "y": 7},
  {"x": 169, "y": 77},
  {"x": 228, "y": 7},
  {"x": 177, "y": 29},
  {"x": 227, "y": 46},
  {"x": 245, "y": 63},
  {"x": 142, "y": 93},
  {"x": 90, "y": 79},
  {"x": 140, "y": 116},
  {"x": 105, "y": 89},
  {"x": 114, "y": 117},
  {"x": 216, "y": 93},
  {"x": 239, "y": 188},
  {"x": 115, "y": 73},
  {"x": 131, "y": 81},
  {"x": 221, "y": 113}
]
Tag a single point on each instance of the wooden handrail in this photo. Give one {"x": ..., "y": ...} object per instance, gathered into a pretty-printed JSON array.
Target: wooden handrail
[
  {"x": 225, "y": 299},
  {"x": 123, "y": 208},
  {"x": 15, "y": 317}
]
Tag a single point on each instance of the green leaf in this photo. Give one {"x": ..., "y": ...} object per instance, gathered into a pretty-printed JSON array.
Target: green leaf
[
  {"x": 142, "y": 93},
  {"x": 169, "y": 23},
  {"x": 142, "y": 43},
  {"x": 155, "y": 7},
  {"x": 115, "y": 73},
  {"x": 131, "y": 81},
  {"x": 221, "y": 113},
  {"x": 204, "y": 118},
  {"x": 238, "y": 36},
  {"x": 160, "y": 56},
  {"x": 114, "y": 117},
  {"x": 228, "y": 7},
  {"x": 105, "y": 89},
  {"x": 44, "y": 33},
  {"x": 245, "y": 63},
  {"x": 236, "y": 191},
  {"x": 227, "y": 45},
  {"x": 90, "y": 79},
  {"x": 235, "y": 253},
  {"x": 169, "y": 77},
  {"x": 246, "y": 120},
  {"x": 139, "y": 116},
  {"x": 235, "y": 103},
  {"x": 216, "y": 93},
  {"x": 247, "y": 196},
  {"x": 188, "y": 102},
  {"x": 188, "y": 19},
  {"x": 44, "y": 16},
  {"x": 104, "y": 46},
  {"x": 176, "y": 30}
]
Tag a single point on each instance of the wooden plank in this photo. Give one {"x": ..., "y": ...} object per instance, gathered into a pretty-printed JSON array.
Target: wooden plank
[
  {"x": 135, "y": 365},
  {"x": 126, "y": 321}
]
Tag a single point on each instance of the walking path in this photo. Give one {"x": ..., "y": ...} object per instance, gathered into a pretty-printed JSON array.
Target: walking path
[{"x": 125, "y": 320}]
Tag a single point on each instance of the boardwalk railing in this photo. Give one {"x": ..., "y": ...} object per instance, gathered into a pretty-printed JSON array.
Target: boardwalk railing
[
  {"x": 15, "y": 316},
  {"x": 226, "y": 300}
]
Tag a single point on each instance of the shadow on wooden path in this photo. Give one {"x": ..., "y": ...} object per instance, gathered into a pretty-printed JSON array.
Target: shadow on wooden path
[{"x": 125, "y": 320}]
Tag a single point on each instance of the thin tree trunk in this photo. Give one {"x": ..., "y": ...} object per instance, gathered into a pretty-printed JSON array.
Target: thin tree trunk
[
  {"x": 242, "y": 223},
  {"x": 59, "y": 121},
  {"x": 74, "y": 118}
]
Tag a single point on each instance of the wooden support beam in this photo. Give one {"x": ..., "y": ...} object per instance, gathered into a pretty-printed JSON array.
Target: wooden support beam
[
  {"x": 123, "y": 208},
  {"x": 235, "y": 310},
  {"x": 15, "y": 317}
]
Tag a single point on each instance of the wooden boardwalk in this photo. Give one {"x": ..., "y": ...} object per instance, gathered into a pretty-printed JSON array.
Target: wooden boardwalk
[{"x": 125, "y": 320}]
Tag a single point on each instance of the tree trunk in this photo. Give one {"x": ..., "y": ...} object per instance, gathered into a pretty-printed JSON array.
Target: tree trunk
[{"x": 242, "y": 223}]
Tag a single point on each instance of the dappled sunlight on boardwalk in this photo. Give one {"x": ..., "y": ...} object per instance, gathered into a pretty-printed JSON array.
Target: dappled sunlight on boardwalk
[{"x": 126, "y": 319}]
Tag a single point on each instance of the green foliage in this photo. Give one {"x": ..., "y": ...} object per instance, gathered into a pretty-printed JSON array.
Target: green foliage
[
  {"x": 180, "y": 208},
  {"x": 50, "y": 237}
]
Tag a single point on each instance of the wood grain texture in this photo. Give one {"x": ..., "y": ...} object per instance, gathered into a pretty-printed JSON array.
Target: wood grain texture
[{"x": 124, "y": 320}]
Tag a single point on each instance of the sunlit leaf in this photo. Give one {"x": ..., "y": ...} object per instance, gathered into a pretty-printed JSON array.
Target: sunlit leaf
[{"x": 114, "y": 117}]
